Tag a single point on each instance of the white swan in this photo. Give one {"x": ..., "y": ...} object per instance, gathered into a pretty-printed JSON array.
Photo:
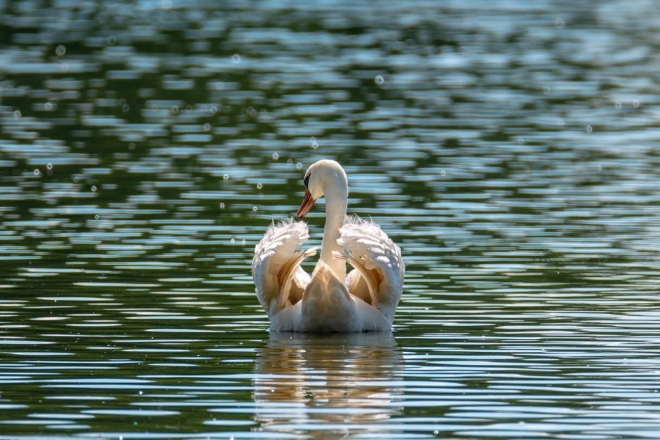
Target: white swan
[{"x": 328, "y": 300}]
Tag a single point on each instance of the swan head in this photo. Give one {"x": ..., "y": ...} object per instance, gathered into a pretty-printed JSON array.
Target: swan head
[{"x": 321, "y": 178}]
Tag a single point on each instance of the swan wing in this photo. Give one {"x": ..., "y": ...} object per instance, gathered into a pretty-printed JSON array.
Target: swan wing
[
  {"x": 379, "y": 268},
  {"x": 276, "y": 270}
]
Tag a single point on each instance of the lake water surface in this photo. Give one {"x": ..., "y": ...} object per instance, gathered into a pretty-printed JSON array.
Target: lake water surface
[{"x": 512, "y": 150}]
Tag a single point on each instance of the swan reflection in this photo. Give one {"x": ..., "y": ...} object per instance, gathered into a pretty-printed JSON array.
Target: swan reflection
[{"x": 331, "y": 385}]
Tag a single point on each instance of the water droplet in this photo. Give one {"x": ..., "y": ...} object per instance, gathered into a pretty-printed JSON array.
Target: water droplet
[
  {"x": 49, "y": 166},
  {"x": 315, "y": 144},
  {"x": 635, "y": 103},
  {"x": 254, "y": 209},
  {"x": 60, "y": 50},
  {"x": 521, "y": 141},
  {"x": 259, "y": 185},
  {"x": 17, "y": 114},
  {"x": 75, "y": 180},
  {"x": 379, "y": 80},
  {"x": 48, "y": 106},
  {"x": 617, "y": 104},
  {"x": 600, "y": 168},
  {"x": 299, "y": 166},
  {"x": 559, "y": 22},
  {"x": 36, "y": 172},
  {"x": 111, "y": 40},
  {"x": 236, "y": 58},
  {"x": 207, "y": 127},
  {"x": 243, "y": 241},
  {"x": 93, "y": 188},
  {"x": 213, "y": 109},
  {"x": 276, "y": 156},
  {"x": 174, "y": 109},
  {"x": 222, "y": 205},
  {"x": 231, "y": 241},
  {"x": 443, "y": 173},
  {"x": 96, "y": 217},
  {"x": 125, "y": 108},
  {"x": 140, "y": 392},
  {"x": 546, "y": 90},
  {"x": 589, "y": 129},
  {"x": 189, "y": 107},
  {"x": 225, "y": 177}
]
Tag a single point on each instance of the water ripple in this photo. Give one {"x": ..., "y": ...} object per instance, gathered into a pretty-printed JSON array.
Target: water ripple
[{"x": 509, "y": 150}]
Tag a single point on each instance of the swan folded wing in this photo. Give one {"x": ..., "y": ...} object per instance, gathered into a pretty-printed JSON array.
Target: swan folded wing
[
  {"x": 376, "y": 258},
  {"x": 276, "y": 269},
  {"x": 291, "y": 271}
]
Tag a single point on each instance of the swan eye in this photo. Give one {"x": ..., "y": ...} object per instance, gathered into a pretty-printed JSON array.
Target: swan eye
[{"x": 306, "y": 181}]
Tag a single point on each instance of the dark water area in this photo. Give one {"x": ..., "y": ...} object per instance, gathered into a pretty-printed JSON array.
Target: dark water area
[{"x": 510, "y": 148}]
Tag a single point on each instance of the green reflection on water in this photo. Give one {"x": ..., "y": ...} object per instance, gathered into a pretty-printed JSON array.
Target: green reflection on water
[{"x": 510, "y": 151}]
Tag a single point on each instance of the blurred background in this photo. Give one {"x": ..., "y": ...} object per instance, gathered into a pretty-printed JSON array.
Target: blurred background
[{"x": 510, "y": 148}]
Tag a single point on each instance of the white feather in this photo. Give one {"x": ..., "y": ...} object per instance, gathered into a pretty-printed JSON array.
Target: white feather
[
  {"x": 272, "y": 253},
  {"x": 365, "y": 243},
  {"x": 328, "y": 300}
]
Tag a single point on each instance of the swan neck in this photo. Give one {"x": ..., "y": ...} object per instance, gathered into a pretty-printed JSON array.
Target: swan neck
[{"x": 336, "y": 200}]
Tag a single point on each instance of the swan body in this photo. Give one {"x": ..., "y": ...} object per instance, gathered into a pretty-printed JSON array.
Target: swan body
[{"x": 328, "y": 300}]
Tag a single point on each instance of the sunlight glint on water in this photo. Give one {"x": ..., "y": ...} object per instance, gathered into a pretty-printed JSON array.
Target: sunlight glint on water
[{"x": 511, "y": 152}]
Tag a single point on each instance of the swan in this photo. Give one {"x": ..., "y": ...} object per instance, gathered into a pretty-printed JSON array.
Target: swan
[{"x": 328, "y": 300}]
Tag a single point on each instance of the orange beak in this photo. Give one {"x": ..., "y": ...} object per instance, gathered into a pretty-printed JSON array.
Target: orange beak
[{"x": 307, "y": 204}]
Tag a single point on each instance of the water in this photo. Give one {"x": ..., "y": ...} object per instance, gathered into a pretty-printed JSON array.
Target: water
[{"x": 511, "y": 150}]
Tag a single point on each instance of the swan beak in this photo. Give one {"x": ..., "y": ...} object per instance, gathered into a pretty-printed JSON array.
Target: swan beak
[{"x": 307, "y": 204}]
